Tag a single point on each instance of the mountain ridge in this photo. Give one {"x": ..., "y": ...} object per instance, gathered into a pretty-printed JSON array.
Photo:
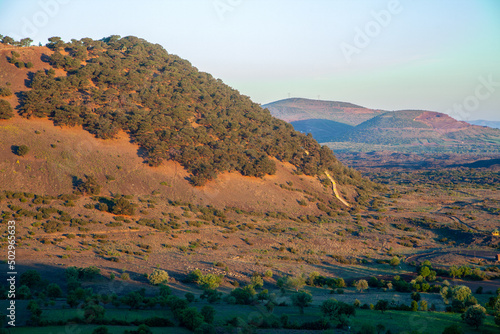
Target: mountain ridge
[{"x": 407, "y": 130}]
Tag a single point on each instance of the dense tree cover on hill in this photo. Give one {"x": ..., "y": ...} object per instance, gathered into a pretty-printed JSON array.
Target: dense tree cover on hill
[{"x": 170, "y": 109}]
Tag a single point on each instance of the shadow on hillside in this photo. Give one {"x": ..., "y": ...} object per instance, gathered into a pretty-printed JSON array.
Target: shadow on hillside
[
  {"x": 45, "y": 58},
  {"x": 100, "y": 284},
  {"x": 28, "y": 82},
  {"x": 479, "y": 164}
]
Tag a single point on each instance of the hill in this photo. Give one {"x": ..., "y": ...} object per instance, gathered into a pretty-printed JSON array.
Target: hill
[
  {"x": 347, "y": 127},
  {"x": 417, "y": 130},
  {"x": 298, "y": 109},
  {"x": 132, "y": 97}
]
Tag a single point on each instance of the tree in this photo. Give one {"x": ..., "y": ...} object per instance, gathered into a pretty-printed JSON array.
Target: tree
[
  {"x": 54, "y": 291},
  {"x": 460, "y": 296},
  {"x": 209, "y": 281},
  {"x": 474, "y": 315},
  {"x": 8, "y": 40},
  {"x": 257, "y": 281},
  {"x": 395, "y": 261},
  {"x": 158, "y": 276},
  {"x": 36, "y": 312},
  {"x": 23, "y": 292},
  {"x": 26, "y": 42},
  {"x": 296, "y": 282},
  {"x": 22, "y": 150},
  {"x": 5, "y": 110},
  {"x": 208, "y": 313},
  {"x": 301, "y": 300},
  {"x": 30, "y": 278},
  {"x": 382, "y": 305},
  {"x": 335, "y": 310},
  {"x": 455, "y": 272},
  {"x": 191, "y": 318},
  {"x": 244, "y": 295},
  {"x": 414, "y": 306},
  {"x": 361, "y": 285},
  {"x": 424, "y": 272},
  {"x": 423, "y": 305},
  {"x": 93, "y": 313}
]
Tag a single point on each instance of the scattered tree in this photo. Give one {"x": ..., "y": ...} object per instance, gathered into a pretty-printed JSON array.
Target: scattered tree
[
  {"x": 361, "y": 285},
  {"x": 474, "y": 315},
  {"x": 395, "y": 261},
  {"x": 301, "y": 299}
]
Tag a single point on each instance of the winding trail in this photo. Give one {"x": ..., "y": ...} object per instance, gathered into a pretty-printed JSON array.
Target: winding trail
[{"x": 335, "y": 191}]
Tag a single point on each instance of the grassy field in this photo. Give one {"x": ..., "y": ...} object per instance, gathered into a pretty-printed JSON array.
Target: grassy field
[
  {"x": 87, "y": 329},
  {"x": 396, "y": 321}
]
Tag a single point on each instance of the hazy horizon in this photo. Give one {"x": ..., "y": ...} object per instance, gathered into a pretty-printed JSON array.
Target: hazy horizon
[{"x": 388, "y": 55}]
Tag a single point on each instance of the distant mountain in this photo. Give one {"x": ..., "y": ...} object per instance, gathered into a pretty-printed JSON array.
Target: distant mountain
[
  {"x": 323, "y": 130},
  {"x": 297, "y": 109},
  {"x": 422, "y": 128},
  {"x": 348, "y": 127},
  {"x": 482, "y": 122}
]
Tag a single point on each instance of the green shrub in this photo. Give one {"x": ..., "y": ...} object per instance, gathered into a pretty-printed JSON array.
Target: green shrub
[
  {"x": 22, "y": 150},
  {"x": 5, "y": 91},
  {"x": 158, "y": 277}
]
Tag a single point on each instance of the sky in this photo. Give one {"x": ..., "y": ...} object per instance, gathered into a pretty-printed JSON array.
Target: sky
[{"x": 382, "y": 54}]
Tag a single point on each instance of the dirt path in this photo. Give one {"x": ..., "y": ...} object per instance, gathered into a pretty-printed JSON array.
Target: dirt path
[
  {"x": 483, "y": 254},
  {"x": 457, "y": 220},
  {"x": 335, "y": 191}
]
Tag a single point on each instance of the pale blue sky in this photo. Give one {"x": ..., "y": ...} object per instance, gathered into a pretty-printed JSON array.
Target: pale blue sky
[{"x": 426, "y": 54}]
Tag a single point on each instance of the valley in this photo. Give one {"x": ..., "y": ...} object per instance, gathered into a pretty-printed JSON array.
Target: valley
[{"x": 149, "y": 197}]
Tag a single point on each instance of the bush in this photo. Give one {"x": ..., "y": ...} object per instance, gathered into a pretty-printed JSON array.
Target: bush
[
  {"x": 22, "y": 150},
  {"x": 395, "y": 261},
  {"x": 191, "y": 318},
  {"x": 4, "y": 92},
  {"x": 301, "y": 300},
  {"x": 474, "y": 315},
  {"x": 54, "y": 291},
  {"x": 90, "y": 186},
  {"x": 30, "y": 278},
  {"x": 244, "y": 295},
  {"x": 158, "y": 277}
]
